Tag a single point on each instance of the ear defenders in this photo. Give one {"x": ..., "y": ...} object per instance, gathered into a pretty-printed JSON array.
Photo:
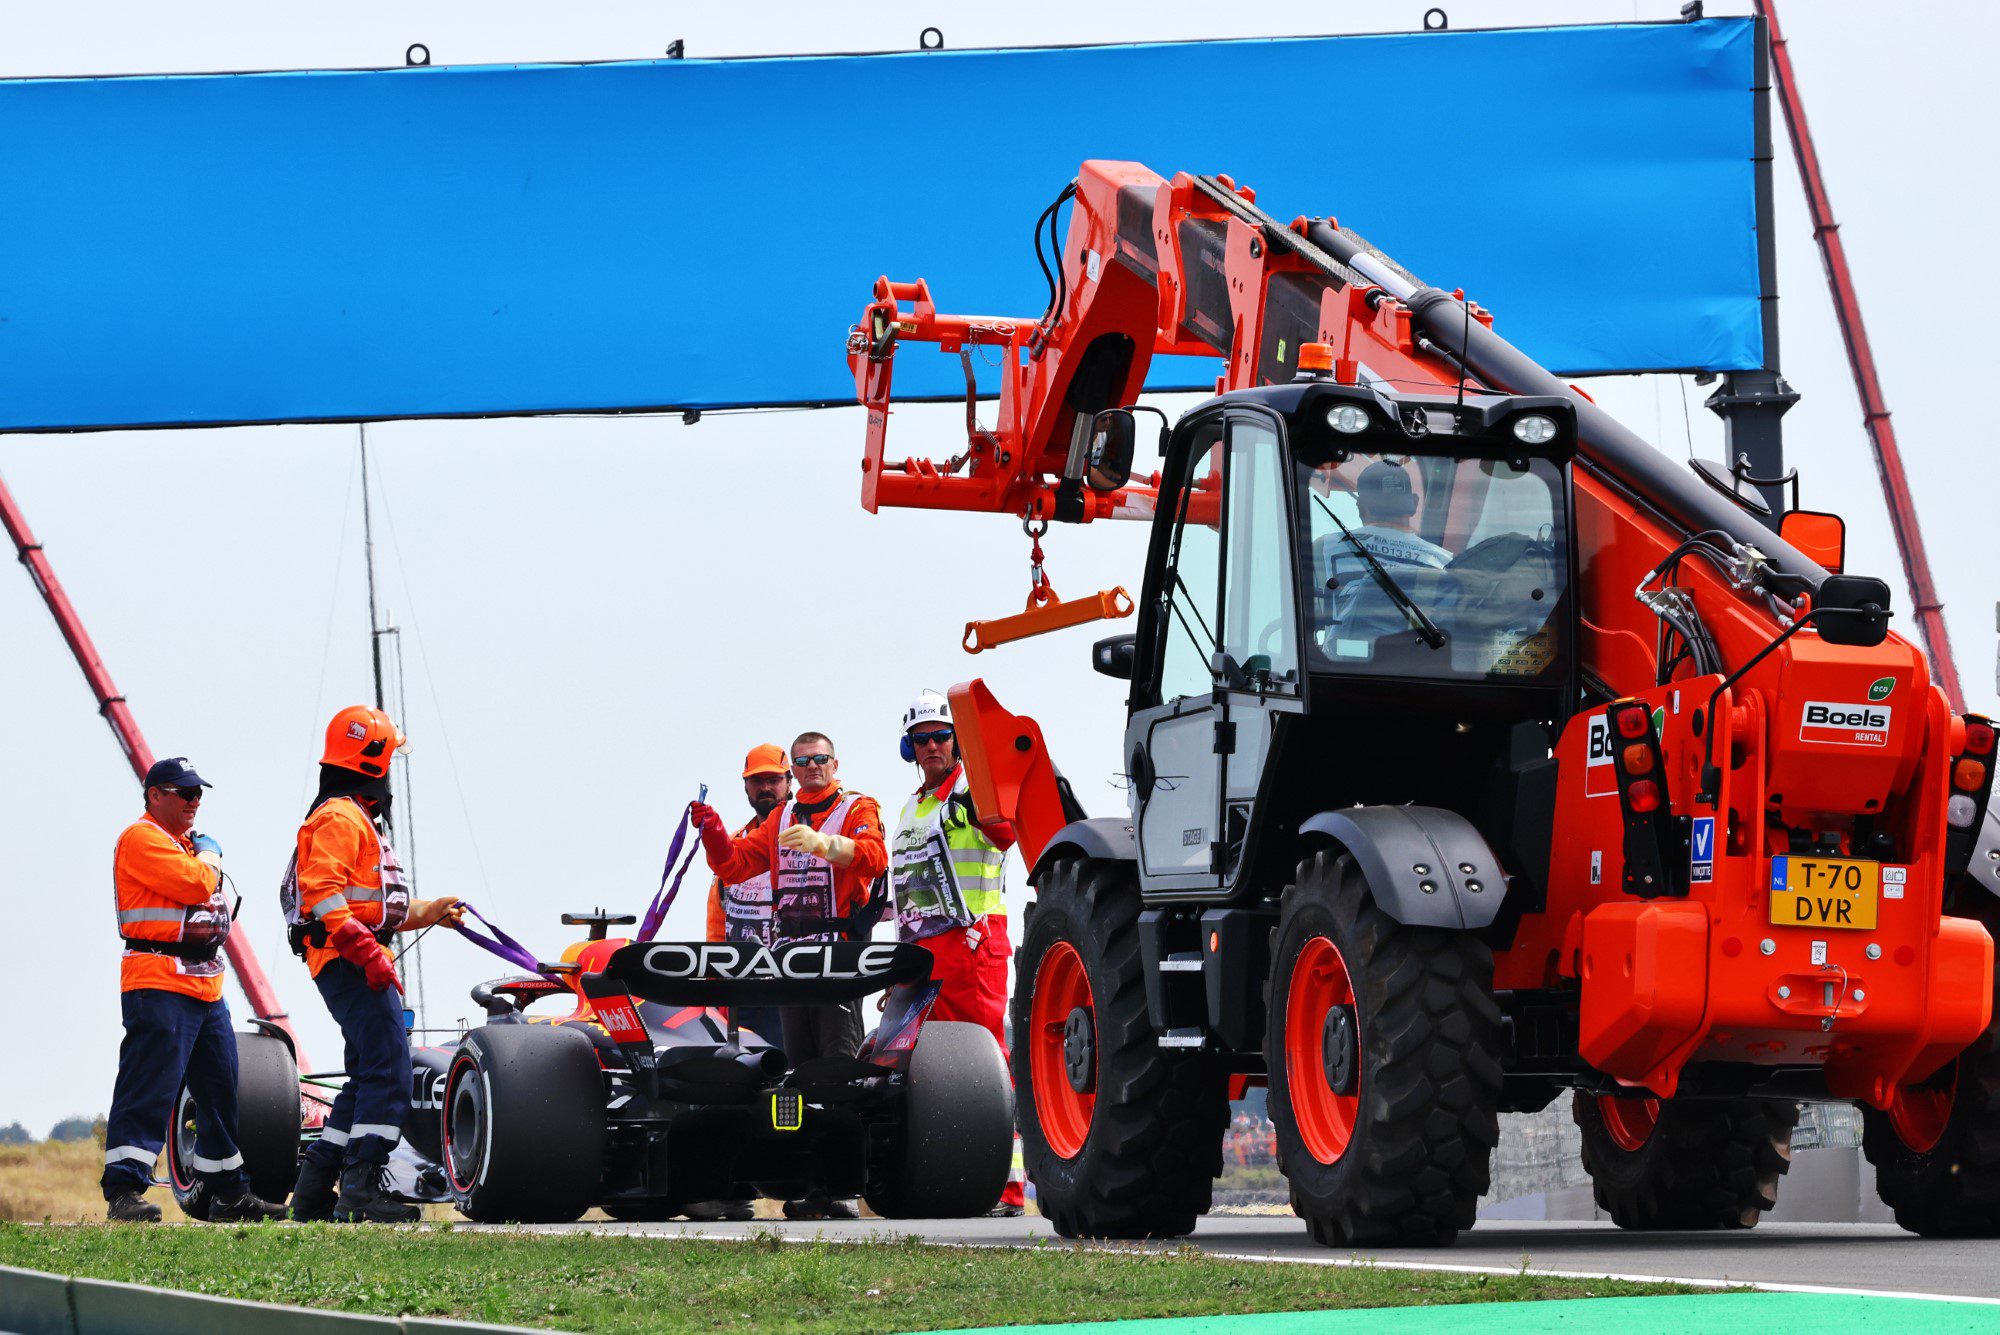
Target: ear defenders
[{"x": 907, "y": 749}]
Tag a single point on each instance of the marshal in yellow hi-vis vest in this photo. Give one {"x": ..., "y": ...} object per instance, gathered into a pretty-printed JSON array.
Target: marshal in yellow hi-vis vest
[{"x": 945, "y": 871}]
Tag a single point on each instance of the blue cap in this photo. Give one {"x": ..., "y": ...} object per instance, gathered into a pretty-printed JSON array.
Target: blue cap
[{"x": 175, "y": 772}]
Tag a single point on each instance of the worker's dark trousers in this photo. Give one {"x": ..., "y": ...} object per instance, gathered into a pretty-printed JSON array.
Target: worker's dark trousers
[
  {"x": 171, "y": 1037},
  {"x": 821, "y": 1030},
  {"x": 367, "y": 1117}
]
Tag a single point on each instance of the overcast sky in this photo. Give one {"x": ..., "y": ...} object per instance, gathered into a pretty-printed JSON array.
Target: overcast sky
[{"x": 602, "y": 614}]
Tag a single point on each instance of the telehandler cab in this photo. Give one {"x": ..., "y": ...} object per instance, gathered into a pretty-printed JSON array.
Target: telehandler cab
[{"x": 1478, "y": 754}]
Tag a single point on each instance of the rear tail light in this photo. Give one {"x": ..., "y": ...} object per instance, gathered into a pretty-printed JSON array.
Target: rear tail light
[
  {"x": 1642, "y": 801},
  {"x": 1971, "y": 787},
  {"x": 1644, "y": 796}
]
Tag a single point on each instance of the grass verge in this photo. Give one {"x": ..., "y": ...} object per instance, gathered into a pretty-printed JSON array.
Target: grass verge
[
  {"x": 580, "y": 1282},
  {"x": 57, "y": 1181}
]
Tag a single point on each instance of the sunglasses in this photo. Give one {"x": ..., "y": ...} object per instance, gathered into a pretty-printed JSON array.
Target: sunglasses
[
  {"x": 803, "y": 761},
  {"x": 184, "y": 794},
  {"x": 939, "y": 737}
]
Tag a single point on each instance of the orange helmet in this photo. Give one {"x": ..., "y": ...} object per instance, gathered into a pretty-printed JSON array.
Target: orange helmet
[{"x": 362, "y": 739}]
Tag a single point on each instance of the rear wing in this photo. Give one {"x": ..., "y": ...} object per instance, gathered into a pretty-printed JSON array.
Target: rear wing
[{"x": 734, "y": 973}]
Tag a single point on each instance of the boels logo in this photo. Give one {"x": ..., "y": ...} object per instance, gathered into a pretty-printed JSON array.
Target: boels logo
[{"x": 1848, "y": 724}]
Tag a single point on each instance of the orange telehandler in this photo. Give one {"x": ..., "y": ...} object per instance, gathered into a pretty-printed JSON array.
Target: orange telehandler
[{"x": 1477, "y": 753}]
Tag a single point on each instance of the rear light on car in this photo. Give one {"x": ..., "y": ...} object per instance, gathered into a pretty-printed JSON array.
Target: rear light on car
[
  {"x": 788, "y": 1110},
  {"x": 1968, "y": 776},
  {"x": 1978, "y": 736},
  {"x": 1644, "y": 796},
  {"x": 1637, "y": 759}
]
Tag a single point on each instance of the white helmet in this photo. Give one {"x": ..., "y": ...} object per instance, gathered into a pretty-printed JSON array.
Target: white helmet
[{"x": 929, "y": 707}]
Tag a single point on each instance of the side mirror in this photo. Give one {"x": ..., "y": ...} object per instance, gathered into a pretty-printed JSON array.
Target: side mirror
[
  {"x": 1724, "y": 481},
  {"x": 1820, "y": 535},
  {"x": 1114, "y": 656},
  {"x": 1852, "y": 610},
  {"x": 1112, "y": 436}
]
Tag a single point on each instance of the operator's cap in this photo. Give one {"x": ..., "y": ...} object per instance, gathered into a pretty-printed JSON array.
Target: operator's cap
[
  {"x": 1384, "y": 479},
  {"x": 766, "y": 759},
  {"x": 174, "y": 772}
]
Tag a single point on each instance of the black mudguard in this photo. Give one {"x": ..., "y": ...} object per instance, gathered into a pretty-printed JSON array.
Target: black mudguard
[
  {"x": 1096, "y": 837},
  {"x": 1425, "y": 866}
]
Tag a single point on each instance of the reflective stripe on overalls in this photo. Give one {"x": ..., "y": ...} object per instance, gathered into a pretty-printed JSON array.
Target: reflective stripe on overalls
[
  {"x": 802, "y": 885},
  {"x": 945, "y": 871}
]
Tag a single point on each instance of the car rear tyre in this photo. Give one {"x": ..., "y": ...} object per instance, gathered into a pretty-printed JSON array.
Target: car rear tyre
[
  {"x": 267, "y": 1126},
  {"x": 524, "y": 1127},
  {"x": 1936, "y": 1150},
  {"x": 1120, "y": 1139},
  {"x": 1677, "y": 1164},
  {"x": 1383, "y": 1047},
  {"x": 957, "y": 1138}
]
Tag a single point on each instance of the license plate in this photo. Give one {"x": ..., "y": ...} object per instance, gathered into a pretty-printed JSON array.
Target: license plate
[{"x": 1824, "y": 892}]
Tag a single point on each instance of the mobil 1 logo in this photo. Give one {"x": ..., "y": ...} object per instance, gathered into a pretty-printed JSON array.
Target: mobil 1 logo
[{"x": 1843, "y": 724}]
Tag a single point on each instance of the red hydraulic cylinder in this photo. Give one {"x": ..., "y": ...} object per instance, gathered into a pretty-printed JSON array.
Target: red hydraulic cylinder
[
  {"x": 1874, "y": 406},
  {"x": 257, "y": 989}
]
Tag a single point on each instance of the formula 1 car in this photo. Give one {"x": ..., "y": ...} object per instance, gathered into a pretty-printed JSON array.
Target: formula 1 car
[{"x": 645, "y": 1097}]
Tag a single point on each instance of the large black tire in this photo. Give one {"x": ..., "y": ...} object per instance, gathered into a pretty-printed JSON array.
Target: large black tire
[
  {"x": 1139, "y": 1158},
  {"x": 524, "y": 1127},
  {"x": 1685, "y": 1164},
  {"x": 267, "y": 1126},
  {"x": 957, "y": 1139},
  {"x": 1937, "y": 1159},
  {"x": 1385, "y": 1103}
]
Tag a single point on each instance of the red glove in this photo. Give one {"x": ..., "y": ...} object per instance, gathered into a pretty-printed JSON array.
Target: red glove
[
  {"x": 358, "y": 946},
  {"x": 715, "y": 840}
]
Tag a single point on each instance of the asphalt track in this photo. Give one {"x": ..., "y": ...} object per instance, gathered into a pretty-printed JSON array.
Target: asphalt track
[{"x": 1848, "y": 1257}]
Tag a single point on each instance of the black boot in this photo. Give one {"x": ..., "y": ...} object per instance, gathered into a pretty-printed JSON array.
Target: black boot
[
  {"x": 365, "y": 1199},
  {"x": 129, "y": 1207},
  {"x": 312, "y": 1195},
  {"x": 247, "y": 1207}
]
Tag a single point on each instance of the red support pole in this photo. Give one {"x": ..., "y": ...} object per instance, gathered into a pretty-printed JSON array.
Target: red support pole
[
  {"x": 1929, "y": 609},
  {"x": 257, "y": 988}
]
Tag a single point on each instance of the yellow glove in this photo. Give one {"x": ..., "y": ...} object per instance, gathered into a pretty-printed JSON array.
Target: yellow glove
[
  {"x": 835, "y": 848},
  {"x": 424, "y": 912}
]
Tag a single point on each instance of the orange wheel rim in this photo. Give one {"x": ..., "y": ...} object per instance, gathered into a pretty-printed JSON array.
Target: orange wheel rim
[
  {"x": 1629, "y": 1122},
  {"x": 1062, "y": 1039},
  {"x": 1325, "y": 1117},
  {"x": 1919, "y": 1113}
]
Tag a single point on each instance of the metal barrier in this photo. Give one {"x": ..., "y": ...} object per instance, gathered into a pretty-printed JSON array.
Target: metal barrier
[{"x": 32, "y": 1303}]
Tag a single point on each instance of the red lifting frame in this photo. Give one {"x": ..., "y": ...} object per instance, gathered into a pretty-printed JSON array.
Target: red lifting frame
[
  {"x": 257, "y": 989},
  {"x": 1874, "y": 407}
]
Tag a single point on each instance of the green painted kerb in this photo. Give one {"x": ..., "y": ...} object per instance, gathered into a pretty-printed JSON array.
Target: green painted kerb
[{"x": 1583, "y": 1316}]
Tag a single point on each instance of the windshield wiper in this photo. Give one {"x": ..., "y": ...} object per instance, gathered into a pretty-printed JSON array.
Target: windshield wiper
[{"x": 1421, "y": 623}]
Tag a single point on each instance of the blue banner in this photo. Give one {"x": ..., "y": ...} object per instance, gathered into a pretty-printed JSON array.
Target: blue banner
[{"x": 700, "y": 234}]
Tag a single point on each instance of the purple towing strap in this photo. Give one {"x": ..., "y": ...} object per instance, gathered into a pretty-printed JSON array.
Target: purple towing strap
[
  {"x": 501, "y": 944},
  {"x": 670, "y": 878}
]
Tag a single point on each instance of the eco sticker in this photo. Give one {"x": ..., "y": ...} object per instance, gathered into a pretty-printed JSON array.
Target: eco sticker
[{"x": 1880, "y": 688}]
